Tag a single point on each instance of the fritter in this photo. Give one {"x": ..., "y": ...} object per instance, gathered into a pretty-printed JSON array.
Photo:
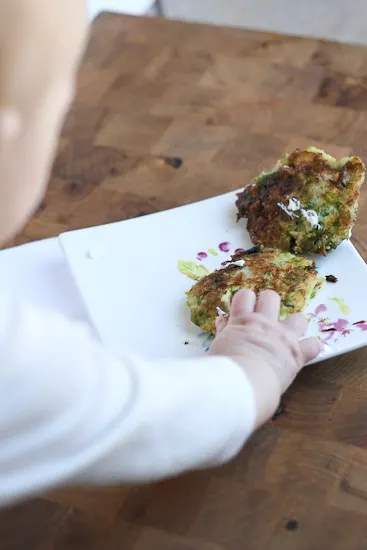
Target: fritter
[
  {"x": 307, "y": 204},
  {"x": 293, "y": 277}
]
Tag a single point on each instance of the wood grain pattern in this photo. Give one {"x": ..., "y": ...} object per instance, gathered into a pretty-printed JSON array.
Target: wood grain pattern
[{"x": 227, "y": 103}]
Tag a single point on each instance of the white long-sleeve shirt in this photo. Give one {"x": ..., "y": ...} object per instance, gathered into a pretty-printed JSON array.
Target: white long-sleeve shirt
[{"x": 70, "y": 413}]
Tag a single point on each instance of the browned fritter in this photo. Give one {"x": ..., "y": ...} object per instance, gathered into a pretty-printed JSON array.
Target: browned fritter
[
  {"x": 293, "y": 277},
  {"x": 307, "y": 204}
]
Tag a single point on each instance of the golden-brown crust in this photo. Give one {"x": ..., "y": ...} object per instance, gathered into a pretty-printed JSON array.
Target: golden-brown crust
[
  {"x": 331, "y": 191},
  {"x": 292, "y": 277}
]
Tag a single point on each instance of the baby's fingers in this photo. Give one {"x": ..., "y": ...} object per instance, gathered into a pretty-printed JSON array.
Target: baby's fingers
[
  {"x": 268, "y": 303},
  {"x": 310, "y": 348},
  {"x": 243, "y": 303},
  {"x": 297, "y": 324}
]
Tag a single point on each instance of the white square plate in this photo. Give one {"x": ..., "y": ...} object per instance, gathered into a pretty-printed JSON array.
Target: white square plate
[{"x": 128, "y": 276}]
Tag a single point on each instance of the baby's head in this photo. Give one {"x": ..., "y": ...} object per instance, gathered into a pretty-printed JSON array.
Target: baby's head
[{"x": 40, "y": 47}]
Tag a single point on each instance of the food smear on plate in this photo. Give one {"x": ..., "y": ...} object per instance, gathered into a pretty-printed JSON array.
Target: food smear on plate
[
  {"x": 202, "y": 255},
  {"x": 293, "y": 277},
  {"x": 192, "y": 270},
  {"x": 306, "y": 204},
  {"x": 224, "y": 247},
  {"x": 342, "y": 305},
  {"x": 95, "y": 254}
]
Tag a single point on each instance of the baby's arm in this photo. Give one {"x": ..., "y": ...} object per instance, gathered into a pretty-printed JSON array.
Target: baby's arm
[{"x": 70, "y": 413}]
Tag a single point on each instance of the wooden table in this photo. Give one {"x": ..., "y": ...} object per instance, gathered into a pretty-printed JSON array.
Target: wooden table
[{"x": 168, "y": 113}]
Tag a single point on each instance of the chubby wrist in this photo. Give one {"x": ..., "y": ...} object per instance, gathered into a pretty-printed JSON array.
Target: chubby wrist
[{"x": 265, "y": 385}]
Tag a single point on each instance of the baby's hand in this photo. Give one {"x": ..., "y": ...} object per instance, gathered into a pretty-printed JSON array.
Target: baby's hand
[{"x": 269, "y": 351}]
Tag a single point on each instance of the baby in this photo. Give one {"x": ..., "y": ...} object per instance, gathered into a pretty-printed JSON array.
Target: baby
[{"x": 70, "y": 412}]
